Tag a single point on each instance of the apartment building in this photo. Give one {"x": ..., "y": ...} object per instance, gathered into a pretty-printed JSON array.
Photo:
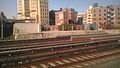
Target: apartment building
[
  {"x": 23, "y": 9},
  {"x": 72, "y": 15},
  {"x": 67, "y": 15},
  {"x": 82, "y": 16},
  {"x": 61, "y": 17},
  {"x": 34, "y": 11},
  {"x": 98, "y": 16},
  {"x": 39, "y": 11},
  {"x": 114, "y": 15},
  {"x": 85, "y": 18}
]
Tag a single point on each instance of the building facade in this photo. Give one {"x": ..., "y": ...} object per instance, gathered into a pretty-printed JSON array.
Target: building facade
[
  {"x": 65, "y": 16},
  {"x": 81, "y": 18},
  {"x": 104, "y": 17},
  {"x": 23, "y": 9},
  {"x": 72, "y": 15},
  {"x": 6, "y": 26},
  {"x": 39, "y": 11},
  {"x": 97, "y": 16},
  {"x": 79, "y": 15},
  {"x": 34, "y": 10},
  {"x": 61, "y": 17},
  {"x": 114, "y": 15},
  {"x": 52, "y": 17},
  {"x": 85, "y": 18}
]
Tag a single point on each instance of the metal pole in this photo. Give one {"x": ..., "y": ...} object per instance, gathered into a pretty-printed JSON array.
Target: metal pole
[
  {"x": 1, "y": 26},
  {"x": 37, "y": 12}
]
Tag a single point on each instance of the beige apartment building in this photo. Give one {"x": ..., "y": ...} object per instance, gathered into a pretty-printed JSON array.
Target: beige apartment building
[
  {"x": 104, "y": 17},
  {"x": 39, "y": 11},
  {"x": 97, "y": 16},
  {"x": 23, "y": 9},
  {"x": 34, "y": 9}
]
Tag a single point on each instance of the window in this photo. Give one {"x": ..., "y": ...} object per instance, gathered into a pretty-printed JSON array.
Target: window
[
  {"x": 94, "y": 11},
  {"x": 19, "y": 13},
  {"x": 112, "y": 9},
  {"x": 94, "y": 19},
  {"x": 104, "y": 18},
  {"x": 99, "y": 14},
  {"x": 118, "y": 9},
  {"x": 99, "y": 18},
  {"x": 104, "y": 14},
  {"x": 104, "y": 10},
  {"x": 118, "y": 13},
  {"x": 118, "y": 17},
  {"x": 100, "y": 27},
  {"x": 119, "y": 22},
  {"x": 99, "y": 10},
  {"x": 112, "y": 18},
  {"x": 104, "y": 22},
  {"x": 94, "y": 15},
  {"x": 33, "y": 10}
]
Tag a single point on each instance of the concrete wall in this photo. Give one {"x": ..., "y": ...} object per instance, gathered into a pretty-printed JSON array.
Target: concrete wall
[
  {"x": 52, "y": 34},
  {"x": 113, "y": 31},
  {"x": 32, "y": 36},
  {"x": 20, "y": 28}
]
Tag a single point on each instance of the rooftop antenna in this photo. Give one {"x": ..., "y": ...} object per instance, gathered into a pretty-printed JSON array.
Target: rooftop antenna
[
  {"x": 94, "y": 1},
  {"x": 67, "y": 4}
]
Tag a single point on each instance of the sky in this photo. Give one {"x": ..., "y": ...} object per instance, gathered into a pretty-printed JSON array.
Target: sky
[{"x": 9, "y": 7}]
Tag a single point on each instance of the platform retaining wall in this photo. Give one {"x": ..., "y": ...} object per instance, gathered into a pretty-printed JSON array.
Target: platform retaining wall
[{"x": 52, "y": 34}]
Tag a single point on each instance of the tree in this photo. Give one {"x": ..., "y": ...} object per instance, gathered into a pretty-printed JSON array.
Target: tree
[
  {"x": 67, "y": 27},
  {"x": 60, "y": 27},
  {"x": 80, "y": 20},
  {"x": 92, "y": 28}
]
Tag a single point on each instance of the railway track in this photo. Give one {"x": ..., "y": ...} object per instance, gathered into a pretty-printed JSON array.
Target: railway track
[
  {"x": 89, "y": 58},
  {"x": 76, "y": 61},
  {"x": 43, "y": 44},
  {"x": 13, "y": 47},
  {"x": 36, "y": 57},
  {"x": 29, "y": 53}
]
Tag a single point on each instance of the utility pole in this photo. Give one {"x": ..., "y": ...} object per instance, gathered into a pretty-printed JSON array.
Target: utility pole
[
  {"x": 72, "y": 27},
  {"x": 1, "y": 17}
]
